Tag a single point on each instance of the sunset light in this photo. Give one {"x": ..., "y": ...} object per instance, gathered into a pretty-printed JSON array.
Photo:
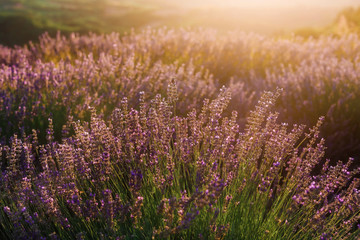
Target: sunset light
[
  {"x": 269, "y": 3},
  {"x": 179, "y": 119}
]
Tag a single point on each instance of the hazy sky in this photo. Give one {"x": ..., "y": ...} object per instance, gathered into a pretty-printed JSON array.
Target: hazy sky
[{"x": 271, "y": 3}]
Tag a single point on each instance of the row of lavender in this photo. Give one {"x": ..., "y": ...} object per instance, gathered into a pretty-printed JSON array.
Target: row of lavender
[
  {"x": 151, "y": 174},
  {"x": 165, "y": 168},
  {"x": 62, "y": 76}
]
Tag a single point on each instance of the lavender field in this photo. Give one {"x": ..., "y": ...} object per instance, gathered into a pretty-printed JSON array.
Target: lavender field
[{"x": 180, "y": 134}]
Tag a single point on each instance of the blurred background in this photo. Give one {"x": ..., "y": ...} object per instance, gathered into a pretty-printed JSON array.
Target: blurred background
[{"x": 24, "y": 20}]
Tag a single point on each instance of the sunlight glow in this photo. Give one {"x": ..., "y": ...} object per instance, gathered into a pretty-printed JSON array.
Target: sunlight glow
[{"x": 269, "y": 3}]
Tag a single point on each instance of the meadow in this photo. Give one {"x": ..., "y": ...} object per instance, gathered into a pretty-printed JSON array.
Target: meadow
[
  {"x": 115, "y": 127},
  {"x": 180, "y": 134}
]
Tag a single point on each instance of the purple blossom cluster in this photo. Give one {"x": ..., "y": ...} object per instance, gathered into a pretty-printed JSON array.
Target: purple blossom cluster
[
  {"x": 160, "y": 174},
  {"x": 90, "y": 147},
  {"x": 60, "y": 77}
]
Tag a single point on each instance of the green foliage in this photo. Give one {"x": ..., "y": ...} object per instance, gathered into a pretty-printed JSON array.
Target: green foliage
[{"x": 82, "y": 16}]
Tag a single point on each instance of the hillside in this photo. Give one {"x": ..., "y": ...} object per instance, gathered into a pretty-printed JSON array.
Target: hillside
[{"x": 22, "y": 21}]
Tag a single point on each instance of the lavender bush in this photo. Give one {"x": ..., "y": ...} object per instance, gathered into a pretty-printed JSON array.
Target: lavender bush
[
  {"x": 109, "y": 137},
  {"x": 63, "y": 76},
  {"x": 149, "y": 173}
]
